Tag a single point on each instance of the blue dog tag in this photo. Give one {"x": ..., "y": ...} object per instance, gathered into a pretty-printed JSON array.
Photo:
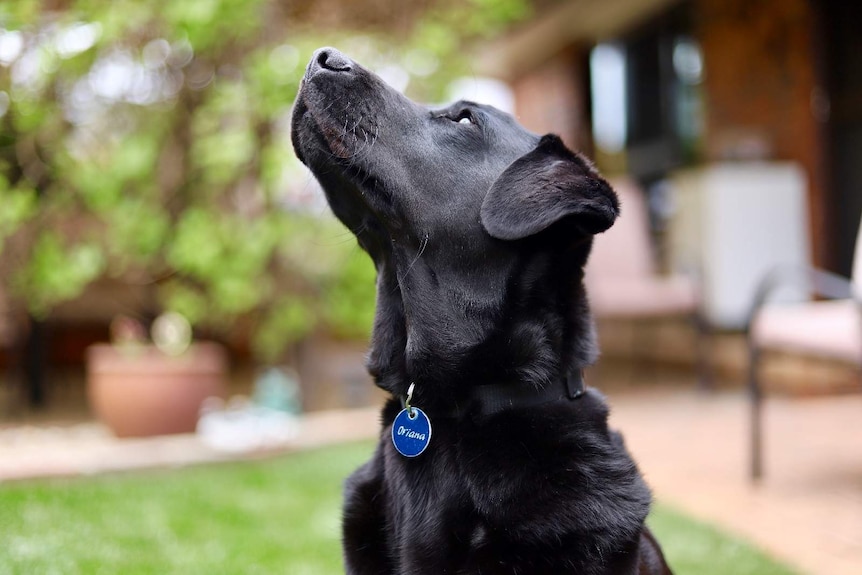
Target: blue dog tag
[{"x": 411, "y": 435}]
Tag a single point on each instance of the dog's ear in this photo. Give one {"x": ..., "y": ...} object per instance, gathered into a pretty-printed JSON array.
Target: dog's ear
[{"x": 544, "y": 186}]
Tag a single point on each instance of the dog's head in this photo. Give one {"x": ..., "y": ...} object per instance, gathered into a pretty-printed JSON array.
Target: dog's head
[{"x": 478, "y": 228}]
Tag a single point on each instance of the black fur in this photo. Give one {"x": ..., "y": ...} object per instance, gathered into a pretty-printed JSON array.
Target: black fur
[{"x": 479, "y": 232}]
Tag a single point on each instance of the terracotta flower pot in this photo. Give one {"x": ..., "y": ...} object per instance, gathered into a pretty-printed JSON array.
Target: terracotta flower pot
[{"x": 142, "y": 391}]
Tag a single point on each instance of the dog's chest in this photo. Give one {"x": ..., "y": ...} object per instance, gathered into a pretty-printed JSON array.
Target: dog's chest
[
  {"x": 513, "y": 493},
  {"x": 431, "y": 515}
]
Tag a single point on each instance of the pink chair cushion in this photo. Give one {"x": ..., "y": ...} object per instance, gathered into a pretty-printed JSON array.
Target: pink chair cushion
[
  {"x": 825, "y": 328},
  {"x": 643, "y": 297},
  {"x": 624, "y": 250},
  {"x": 620, "y": 275}
]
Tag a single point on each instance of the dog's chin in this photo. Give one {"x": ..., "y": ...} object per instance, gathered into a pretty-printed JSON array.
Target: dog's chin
[
  {"x": 304, "y": 133},
  {"x": 315, "y": 142},
  {"x": 318, "y": 123}
]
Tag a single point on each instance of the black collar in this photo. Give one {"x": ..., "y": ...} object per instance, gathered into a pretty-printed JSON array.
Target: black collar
[{"x": 490, "y": 399}]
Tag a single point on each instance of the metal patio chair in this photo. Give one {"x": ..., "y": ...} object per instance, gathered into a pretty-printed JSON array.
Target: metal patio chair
[
  {"x": 829, "y": 328},
  {"x": 623, "y": 281}
]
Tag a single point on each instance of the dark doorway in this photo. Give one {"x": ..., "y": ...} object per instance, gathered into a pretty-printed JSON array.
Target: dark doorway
[
  {"x": 663, "y": 98},
  {"x": 842, "y": 51}
]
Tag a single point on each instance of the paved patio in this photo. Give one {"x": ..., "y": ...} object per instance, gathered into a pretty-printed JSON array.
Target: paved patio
[
  {"x": 690, "y": 446},
  {"x": 31, "y": 451},
  {"x": 807, "y": 510}
]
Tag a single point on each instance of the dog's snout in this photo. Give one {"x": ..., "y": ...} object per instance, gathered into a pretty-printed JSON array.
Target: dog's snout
[{"x": 329, "y": 59}]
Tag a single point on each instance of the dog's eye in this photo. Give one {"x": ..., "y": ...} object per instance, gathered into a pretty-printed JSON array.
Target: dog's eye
[{"x": 465, "y": 117}]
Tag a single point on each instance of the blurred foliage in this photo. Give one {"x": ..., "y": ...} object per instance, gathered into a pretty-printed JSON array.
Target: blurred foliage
[{"x": 148, "y": 141}]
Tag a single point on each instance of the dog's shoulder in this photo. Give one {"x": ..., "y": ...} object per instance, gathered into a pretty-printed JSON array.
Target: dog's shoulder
[{"x": 556, "y": 471}]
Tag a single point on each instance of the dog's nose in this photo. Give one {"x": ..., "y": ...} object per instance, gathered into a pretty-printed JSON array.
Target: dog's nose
[{"x": 329, "y": 59}]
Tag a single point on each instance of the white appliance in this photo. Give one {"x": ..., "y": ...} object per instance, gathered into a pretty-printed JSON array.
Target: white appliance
[{"x": 734, "y": 222}]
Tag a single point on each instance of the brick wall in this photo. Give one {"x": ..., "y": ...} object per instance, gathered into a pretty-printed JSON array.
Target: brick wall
[
  {"x": 552, "y": 97},
  {"x": 760, "y": 79}
]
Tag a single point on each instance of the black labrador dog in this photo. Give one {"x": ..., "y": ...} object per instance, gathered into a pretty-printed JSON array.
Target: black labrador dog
[{"x": 493, "y": 458}]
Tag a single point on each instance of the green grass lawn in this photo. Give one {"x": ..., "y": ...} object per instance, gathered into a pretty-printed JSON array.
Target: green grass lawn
[{"x": 275, "y": 516}]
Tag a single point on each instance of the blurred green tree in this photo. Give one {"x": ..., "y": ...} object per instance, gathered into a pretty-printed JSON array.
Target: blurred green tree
[{"x": 147, "y": 141}]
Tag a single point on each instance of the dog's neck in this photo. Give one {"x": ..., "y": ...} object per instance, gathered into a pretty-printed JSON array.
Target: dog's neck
[
  {"x": 491, "y": 399},
  {"x": 531, "y": 332}
]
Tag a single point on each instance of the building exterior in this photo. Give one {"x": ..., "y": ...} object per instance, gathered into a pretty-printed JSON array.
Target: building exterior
[{"x": 708, "y": 81}]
